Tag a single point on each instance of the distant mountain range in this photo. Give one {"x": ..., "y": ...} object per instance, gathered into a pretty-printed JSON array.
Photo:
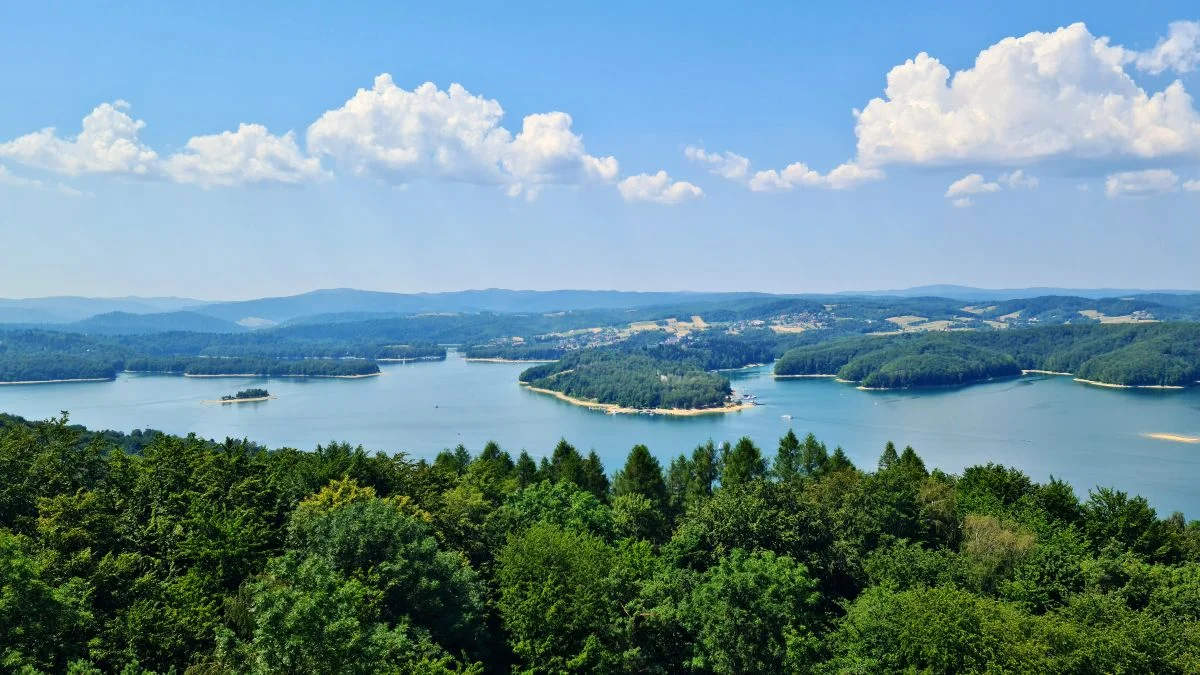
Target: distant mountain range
[
  {"x": 156, "y": 314},
  {"x": 65, "y": 309}
]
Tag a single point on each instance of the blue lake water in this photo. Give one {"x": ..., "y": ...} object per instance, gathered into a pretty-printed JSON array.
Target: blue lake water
[{"x": 1043, "y": 424}]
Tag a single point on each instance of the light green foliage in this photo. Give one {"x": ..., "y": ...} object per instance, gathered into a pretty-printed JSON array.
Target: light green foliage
[
  {"x": 755, "y": 613},
  {"x": 152, "y": 553}
]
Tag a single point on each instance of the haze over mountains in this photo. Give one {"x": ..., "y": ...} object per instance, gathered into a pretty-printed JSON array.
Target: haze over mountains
[{"x": 132, "y": 315}]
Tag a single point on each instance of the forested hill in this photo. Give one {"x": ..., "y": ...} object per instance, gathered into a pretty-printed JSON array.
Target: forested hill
[
  {"x": 630, "y": 380},
  {"x": 154, "y": 554},
  {"x": 1131, "y": 355}
]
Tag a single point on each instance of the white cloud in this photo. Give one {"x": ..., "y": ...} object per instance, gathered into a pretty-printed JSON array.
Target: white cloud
[
  {"x": 737, "y": 168},
  {"x": 1179, "y": 51},
  {"x": 799, "y": 174},
  {"x": 726, "y": 164},
  {"x": 1083, "y": 187},
  {"x": 249, "y": 155},
  {"x": 1192, "y": 186},
  {"x": 1140, "y": 183},
  {"x": 107, "y": 143},
  {"x": 1040, "y": 96},
  {"x": 402, "y": 136},
  {"x": 1063, "y": 94},
  {"x": 1018, "y": 179},
  {"x": 962, "y": 202},
  {"x": 971, "y": 184},
  {"x": 657, "y": 188}
]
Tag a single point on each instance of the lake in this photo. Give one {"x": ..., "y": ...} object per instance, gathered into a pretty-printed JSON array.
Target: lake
[{"x": 1042, "y": 424}]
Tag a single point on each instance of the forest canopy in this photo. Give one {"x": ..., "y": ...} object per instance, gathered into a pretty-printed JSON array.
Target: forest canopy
[
  {"x": 1163, "y": 354},
  {"x": 149, "y": 553}
]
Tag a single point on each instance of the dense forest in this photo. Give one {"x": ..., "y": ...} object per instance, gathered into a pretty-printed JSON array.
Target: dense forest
[
  {"x": 630, "y": 380},
  {"x": 52, "y": 355},
  {"x": 515, "y": 352},
  {"x": 249, "y": 366},
  {"x": 1158, "y": 354},
  {"x": 150, "y": 553}
]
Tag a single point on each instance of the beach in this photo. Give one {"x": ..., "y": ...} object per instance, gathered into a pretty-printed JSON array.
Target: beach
[
  {"x": 76, "y": 379},
  {"x": 615, "y": 409}
]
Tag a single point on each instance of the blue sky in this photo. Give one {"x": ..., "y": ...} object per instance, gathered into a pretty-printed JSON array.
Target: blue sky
[{"x": 1085, "y": 142}]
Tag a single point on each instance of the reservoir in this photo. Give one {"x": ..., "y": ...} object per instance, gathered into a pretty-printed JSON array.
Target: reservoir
[{"x": 1044, "y": 425}]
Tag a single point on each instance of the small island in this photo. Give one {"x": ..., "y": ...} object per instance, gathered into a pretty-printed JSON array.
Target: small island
[{"x": 245, "y": 396}]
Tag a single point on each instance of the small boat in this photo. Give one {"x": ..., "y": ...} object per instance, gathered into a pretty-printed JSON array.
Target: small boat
[{"x": 786, "y": 417}]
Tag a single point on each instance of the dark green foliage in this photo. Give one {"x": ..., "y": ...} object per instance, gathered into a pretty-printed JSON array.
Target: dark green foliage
[
  {"x": 630, "y": 380},
  {"x": 1127, "y": 354},
  {"x": 247, "y": 393},
  {"x": 742, "y": 464},
  {"x": 184, "y": 555}
]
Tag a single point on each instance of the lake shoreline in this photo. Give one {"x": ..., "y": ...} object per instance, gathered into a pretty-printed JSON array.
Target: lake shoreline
[
  {"x": 322, "y": 377},
  {"x": 804, "y": 377},
  {"x": 500, "y": 360},
  {"x": 614, "y": 409},
  {"x": 71, "y": 379},
  {"x": 1175, "y": 438},
  {"x": 1110, "y": 385}
]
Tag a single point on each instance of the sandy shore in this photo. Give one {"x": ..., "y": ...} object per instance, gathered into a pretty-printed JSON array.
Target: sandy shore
[
  {"x": 330, "y": 377},
  {"x": 1174, "y": 437},
  {"x": 77, "y": 379},
  {"x": 1128, "y": 386},
  {"x": 618, "y": 410},
  {"x": 798, "y": 377},
  {"x": 1043, "y": 372},
  {"x": 241, "y": 400},
  {"x": 498, "y": 360},
  {"x": 414, "y": 359}
]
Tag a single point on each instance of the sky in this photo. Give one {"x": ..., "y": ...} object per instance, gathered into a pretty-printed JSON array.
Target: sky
[{"x": 223, "y": 152}]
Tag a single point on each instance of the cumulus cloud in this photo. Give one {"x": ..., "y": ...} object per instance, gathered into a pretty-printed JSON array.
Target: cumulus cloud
[
  {"x": 1040, "y": 96},
  {"x": 725, "y": 164},
  {"x": 1179, "y": 51},
  {"x": 249, "y": 155},
  {"x": 107, "y": 143},
  {"x": 971, "y": 184},
  {"x": 1140, "y": 183},
  {"x": 1192, "y": 186},
  {"x": 737, "y": 168},
  {"x": 1018, "y": 180},
  {"x": 962, "y": 202},
  {"x": 1063, "y": 94},
  {"x": 657, "y": 188},
  {"x": 401, "y": 136}
]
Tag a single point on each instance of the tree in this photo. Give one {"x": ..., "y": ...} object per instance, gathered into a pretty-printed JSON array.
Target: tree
[
  {"x": 889, "y": 457},
  {"x": 566, "y": 465},
  {"x": 755, "y": 613},
  {"x": 593, "y": 476},
  {"x": 525, "y": 470},
  {"x": 642, "y": 475},
  {"x": 787, "y": 458},
  {"x": 838, "y": 461},
  {"x": 742, "y": 464},
  {"x": 556, "y": 600},
  {"x": 814, "y": 457},
  {"x": 40, "y": 623}
]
